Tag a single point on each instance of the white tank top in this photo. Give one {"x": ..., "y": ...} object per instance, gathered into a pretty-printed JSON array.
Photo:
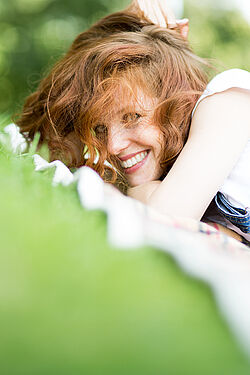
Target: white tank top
[{"x": 236, "y": 187}]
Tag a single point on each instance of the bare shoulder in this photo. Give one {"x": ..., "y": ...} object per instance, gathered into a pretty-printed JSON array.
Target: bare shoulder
[
  {"x": 231, "y": 108},
  {"x": 233, "y": 93}
]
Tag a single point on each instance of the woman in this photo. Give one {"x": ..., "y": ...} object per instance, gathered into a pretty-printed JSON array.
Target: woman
[{"x": 130, "y": 92}]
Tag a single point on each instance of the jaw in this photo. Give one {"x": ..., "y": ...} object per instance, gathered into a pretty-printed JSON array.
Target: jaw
[{"x": 150, "y": 171}]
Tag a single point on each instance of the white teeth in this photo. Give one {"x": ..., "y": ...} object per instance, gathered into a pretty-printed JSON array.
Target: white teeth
[
  {"x": 134, "y": 160},
  {"x": 138, "y": 158}
]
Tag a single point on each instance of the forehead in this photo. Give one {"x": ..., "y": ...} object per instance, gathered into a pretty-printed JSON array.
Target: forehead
[
  {"x": 136, "y": 100},
  {"x": 125, "y": 91}
]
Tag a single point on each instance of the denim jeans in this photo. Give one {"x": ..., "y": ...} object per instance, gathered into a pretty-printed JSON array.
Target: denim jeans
[{"x": 237, "y": 216}]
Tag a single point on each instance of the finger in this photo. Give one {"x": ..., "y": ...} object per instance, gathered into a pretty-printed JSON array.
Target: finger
[
  {"x": 153, "y": 13},
  {"x": 161, "y": 14},
  {"x": 159, "y": 17},
  {"x": 183, "y": 26},
  {"x": 183, "y": 21},
  {"x": 169, "y": 15}
]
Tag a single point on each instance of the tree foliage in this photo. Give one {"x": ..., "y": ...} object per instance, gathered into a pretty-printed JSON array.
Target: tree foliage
[
  {"x": 220, "y": 35},
  {"x": 34, "y": 34}
]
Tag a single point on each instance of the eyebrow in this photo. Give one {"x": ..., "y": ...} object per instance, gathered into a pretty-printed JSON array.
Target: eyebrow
[{"x": 128, "y": 110}]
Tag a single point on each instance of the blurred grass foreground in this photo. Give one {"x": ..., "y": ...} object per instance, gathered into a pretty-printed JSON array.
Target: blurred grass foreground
[{"x": 72, "y": 304}]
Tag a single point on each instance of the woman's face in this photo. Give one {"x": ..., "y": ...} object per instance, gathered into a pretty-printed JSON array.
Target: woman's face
[{"x": 133, "y": 137}]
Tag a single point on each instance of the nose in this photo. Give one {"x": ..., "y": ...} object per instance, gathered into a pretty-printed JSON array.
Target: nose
[{"x": 118, "y": 140}]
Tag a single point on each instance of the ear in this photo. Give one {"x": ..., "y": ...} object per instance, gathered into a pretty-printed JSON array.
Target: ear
[{"x": 183, "y": 26}]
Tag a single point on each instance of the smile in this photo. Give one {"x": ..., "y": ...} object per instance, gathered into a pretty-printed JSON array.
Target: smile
[{"x": 129, "y": 163}]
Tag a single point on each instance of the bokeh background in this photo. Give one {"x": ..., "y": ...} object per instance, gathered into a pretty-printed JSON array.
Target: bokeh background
[{"x": 35, "y": 33}]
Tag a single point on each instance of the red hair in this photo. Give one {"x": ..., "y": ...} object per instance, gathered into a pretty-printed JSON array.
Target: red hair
[{"x": 121, "y": 50}]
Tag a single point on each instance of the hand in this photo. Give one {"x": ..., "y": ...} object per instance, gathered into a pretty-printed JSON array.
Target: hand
[
  {"x": 143, "y": 192},
  {"x": 160, "y": 14}
]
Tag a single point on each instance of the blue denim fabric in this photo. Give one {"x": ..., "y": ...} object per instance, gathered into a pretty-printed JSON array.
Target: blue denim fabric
[{"x": 237, "y": 216}]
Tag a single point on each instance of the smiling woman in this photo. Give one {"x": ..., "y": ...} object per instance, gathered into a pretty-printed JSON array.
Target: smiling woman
[
  {"x": 133, "y": 136},
  {"x": 122, "y": 61},
  {"x": 133, "y": 92}
]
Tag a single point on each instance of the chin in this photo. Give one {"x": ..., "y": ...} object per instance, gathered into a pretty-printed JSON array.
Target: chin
[{"x": 139, "y": 180}]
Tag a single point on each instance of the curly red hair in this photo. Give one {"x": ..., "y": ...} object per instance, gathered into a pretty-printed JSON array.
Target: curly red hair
[{"x": 121, "y": 50}]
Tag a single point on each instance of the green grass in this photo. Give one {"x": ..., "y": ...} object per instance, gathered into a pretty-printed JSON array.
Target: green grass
[{"x": 72, "y": 304}]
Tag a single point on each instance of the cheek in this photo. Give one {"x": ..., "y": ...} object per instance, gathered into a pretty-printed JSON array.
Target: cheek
[
  {"x": 151, "y": 135},
  {"x": 156, "y": 139}
]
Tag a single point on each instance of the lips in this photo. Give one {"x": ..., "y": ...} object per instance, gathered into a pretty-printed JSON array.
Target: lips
[
  {"x": 132, "y": 164},
  {"x": 130, "y": 156}
]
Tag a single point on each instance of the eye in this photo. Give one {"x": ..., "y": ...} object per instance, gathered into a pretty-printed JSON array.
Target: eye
[
  {"x": 100, "y": 131},
  {"x": 130, "y": 117}
]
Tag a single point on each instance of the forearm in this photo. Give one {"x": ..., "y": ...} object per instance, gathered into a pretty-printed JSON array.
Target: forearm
[{"x": 143, "y": 192}]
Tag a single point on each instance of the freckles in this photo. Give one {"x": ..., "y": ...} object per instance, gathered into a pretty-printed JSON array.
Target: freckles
[
  {"x": 155, "y": 134},
  {"x": 150, "y": 128}
]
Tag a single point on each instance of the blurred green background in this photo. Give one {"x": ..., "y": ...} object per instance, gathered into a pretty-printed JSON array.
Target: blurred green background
[{"x": 35, "y": 33}]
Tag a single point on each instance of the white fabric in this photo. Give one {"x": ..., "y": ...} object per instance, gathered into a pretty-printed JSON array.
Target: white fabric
[
  {"x": 62, "y": 174},
  {"x": 226, "y": 80},
  {"x": 13, "y": 138},
  {"x": 236, "y": 187}
]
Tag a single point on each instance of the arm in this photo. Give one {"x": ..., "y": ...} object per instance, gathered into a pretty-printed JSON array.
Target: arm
[
  {"x": 143, "y": 192},
  {"x": 219, "y": 132}
]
